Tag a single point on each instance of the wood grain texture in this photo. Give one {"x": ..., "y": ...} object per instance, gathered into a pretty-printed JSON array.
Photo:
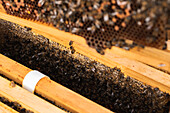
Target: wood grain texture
[
  {"x": 51, "y": 90},
  {"x": 151, "y": 56},
  {"x": 168, "y": 45},
  {"x": 6, "y": 109},
  {"x": 26, "y": 99}
]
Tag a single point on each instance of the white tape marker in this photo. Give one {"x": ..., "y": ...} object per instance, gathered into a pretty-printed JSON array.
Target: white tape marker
[{"x": 31, "y": 79}]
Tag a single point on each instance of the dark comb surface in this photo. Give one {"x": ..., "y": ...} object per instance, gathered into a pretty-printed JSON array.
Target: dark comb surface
[
  {"x": 107, "y": 86},
  {"x": 102, "y": 22}
]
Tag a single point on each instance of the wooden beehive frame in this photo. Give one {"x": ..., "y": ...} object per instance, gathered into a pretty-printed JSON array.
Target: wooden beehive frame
[
  {"x": 168, "y": 43},
  {"x": 128, "y": 61},
  {"x": 25, "y": 98},
  {"x": 49, "y": 89},
  {"x": 6, "y": 109},
  {"x": 136, "y": 63}
]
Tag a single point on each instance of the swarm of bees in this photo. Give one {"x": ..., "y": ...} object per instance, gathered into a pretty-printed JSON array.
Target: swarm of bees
[{"x": 100, "y": 21}]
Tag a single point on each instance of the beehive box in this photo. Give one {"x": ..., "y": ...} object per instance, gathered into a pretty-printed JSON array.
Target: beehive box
[{"x": 106, "y": 79}]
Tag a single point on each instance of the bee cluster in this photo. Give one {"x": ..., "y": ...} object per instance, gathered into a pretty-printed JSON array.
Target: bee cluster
[
  {"x": 107, "y": 86},
  {"x": 71, "y": 47},
  {"x": 101, "y": 22}
]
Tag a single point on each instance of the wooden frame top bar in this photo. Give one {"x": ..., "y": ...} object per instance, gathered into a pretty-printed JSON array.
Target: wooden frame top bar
[
  {"x": 151, "y": 56},
  {"x": 26, "y": 99},
  {"x": 126, "y": 60},
  {"x": 168, "y": 44},
  {"x": 1, "y": 7},
  {"x": 50, "y": 89}
]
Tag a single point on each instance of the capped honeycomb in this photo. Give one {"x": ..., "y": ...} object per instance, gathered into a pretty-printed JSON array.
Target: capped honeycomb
[
  {"x": 107, "y": 86},
  {"x": 103, "y": 23}
]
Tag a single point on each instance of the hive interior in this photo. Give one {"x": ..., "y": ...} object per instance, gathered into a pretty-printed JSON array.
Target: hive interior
[
  {"x": 107, "y": 86},
  {"x": 103, "y": 23},
  {"x": 13, "y": 104},
  {"x": 19, "y": 107}
]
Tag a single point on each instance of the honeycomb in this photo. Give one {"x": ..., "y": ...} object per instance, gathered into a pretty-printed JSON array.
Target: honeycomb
[
  {"x": 104, "y": 85},
  {"x": 103, "y": 23}
]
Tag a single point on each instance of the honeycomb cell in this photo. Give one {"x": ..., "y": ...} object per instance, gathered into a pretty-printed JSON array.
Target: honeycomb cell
[{"x": 137, "y": 20}]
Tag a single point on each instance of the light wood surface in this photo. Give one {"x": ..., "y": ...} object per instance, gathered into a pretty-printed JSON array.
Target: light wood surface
[
  {"x": 168, "y": 30},
  {"x": 168, "y": 35},
  {"x": 120, "y": 58},
  {"x": 1, "y": 7},
  {"x": 168, "y": 45},
  {"x": 6, "y": 109},
  {"x": 50, "y": 89},
  {"x": 26, "y": 99},
  {"x": 151, "y": 56}
]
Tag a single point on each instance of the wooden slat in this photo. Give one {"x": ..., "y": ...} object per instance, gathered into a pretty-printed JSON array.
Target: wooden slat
[
  {"x": 151, "y": 56},
  {"x": 1, "y": 7},
  {"x": 168, "y": 35},
  {"x": 26, "y": 99},
  {"x": 50, "y": 89},
  {"x": 6, "y": 109},
  {"x": 130, "y": 67},
  {"x": 168, "y": 45}
]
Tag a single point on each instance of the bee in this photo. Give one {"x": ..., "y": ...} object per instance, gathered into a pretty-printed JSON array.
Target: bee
[
  {"x": 97, "y": 23},
  {"x": 58, "y": 2},
  {"x": 71, "y": 42},
  {"x": 164, "y": 47},
  {"x": 106, "y": 17},
  {"x": 84, "y": 18},
  {"x": 79, "y": 23},
  {"x": 100, "y": 50},
  {"x": 75, "y": 30},
  {"x": 89, "y": 16},
  {"x": 40, "y": 3},
  {"x": 139, "y": 23},
  {"x": 150, "y": 39},
  {"x": 69, "y": 13},
  {"x": 71, "y": 47},
  {"x": 126, "y": 48},
  {"x": 92, "y": 28},
  {"x": 12, "y": 84},
  {"x": 73, "y": 51},
  {"x": 108, "y": 45},
  {"x": 120, "y": 2},
  {"x": 27, "y": 28}
]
